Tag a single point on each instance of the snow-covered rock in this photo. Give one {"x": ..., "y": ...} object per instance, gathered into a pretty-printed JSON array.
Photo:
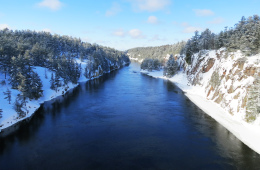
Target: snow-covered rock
[
  {"x": 219, "y": 83},
  {"x": 225, "y": 78}
]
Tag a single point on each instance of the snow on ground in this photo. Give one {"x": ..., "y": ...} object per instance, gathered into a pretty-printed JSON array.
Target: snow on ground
[
  {"x": 249, "y": 134},
  {"x": 9, "y": 116},
  {"x": 136, "y": 59}
]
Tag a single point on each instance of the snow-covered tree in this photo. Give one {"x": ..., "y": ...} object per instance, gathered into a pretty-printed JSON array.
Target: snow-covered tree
[
  {"x": 20, "y": 106},
  {"x": 171, "y": 67},
  {"x": 253, "y": 101},
  {"x": 8, "y": 95}
]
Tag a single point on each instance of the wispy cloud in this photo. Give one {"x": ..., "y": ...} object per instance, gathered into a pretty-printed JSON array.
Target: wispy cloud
[
  {"x": 203, "y": 12},
  {"x": 136, "y": 34},
  {"x": 191, "y": 29},
  {"x": 150, "y": 5},
  {"x": 188, "y": 28},
  {"x": 115, "y": 9},
  {"x": 157, "y": 38},
  {"x": 152, "y": 20},
  {"x": 51, "y": 4},
  {"x": 119, "y": 33},
  {"x": 3, "y": 26},
  {"x": 216, "y": 21}
]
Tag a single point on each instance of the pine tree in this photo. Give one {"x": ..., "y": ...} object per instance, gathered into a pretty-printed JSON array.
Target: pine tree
[
  {"x": 171, "y": 67},
  {"x": 45, "y": 73},
  {"x": 57, "y": 80},
  {"x": 1, "y": 111},
  {"x": 5, "y": 64},
  {"x": 20, "y": 106},
  {"x": 253, "y": 103},
  {"x": 35, "y": 86},
  {"x": 8, "y": 95},
  {"x": 52, "y": 82}
]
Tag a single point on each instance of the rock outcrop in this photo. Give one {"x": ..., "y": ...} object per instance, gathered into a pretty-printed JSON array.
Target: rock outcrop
[{"x": 228, "y": 79}]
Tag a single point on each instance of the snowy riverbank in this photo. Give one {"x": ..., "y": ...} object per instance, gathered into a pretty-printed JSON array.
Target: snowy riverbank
[
  {"x": 9, "y": 115},
  {"x": 249, "y": 134}
]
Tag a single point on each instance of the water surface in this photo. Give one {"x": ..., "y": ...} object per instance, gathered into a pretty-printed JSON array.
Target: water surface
[{"x": 124, "y": 120}]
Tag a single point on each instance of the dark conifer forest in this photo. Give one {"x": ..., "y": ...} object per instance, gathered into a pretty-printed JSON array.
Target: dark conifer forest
[{"x": 22, "y": 51}]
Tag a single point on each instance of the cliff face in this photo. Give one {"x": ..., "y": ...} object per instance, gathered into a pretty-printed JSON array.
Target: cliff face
[{"x": 229, "y": 79}]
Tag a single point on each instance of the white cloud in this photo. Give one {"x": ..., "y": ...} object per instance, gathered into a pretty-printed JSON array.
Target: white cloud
[
  {"x": 188, "y": 28},
  {"x": 51, "y": 4},
  {"x": 115, "y": 9},
  {"x": 119, "y": 33},
  {"x": 136, "y": 34},
  {"x": 216, "y": 21},
  {"x": 152, "y": 20},
  {"x": 191, "y": 29},
  {"x": 185, "y": 24},
  {"x": 203, "y": 12},
  {"x": 3, "y": 26},
  {"x": 157, "y": 38},
  {"x": 150, "y": 5}
]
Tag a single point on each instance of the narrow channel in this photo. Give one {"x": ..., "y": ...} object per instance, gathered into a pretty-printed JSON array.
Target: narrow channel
[{"x": 124, "y": 120}]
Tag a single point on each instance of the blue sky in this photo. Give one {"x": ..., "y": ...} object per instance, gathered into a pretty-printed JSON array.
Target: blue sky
[{"x": 124, "y": 24}]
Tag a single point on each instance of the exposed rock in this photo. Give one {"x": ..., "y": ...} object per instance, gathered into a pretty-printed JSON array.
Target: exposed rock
[
  {"x": 244, "y": 101},
  {"x": 215, "y": 94},
  {"x": 230, "y": 80},
  {"x": 211, "y": 89},
  {"x": 230, "y": 90},
  {"x": 237, "y": 95},
  {"x": 250, "y": 71},
  {"x": 220, "y": 98},
  {"x": 208, "y": 66}
]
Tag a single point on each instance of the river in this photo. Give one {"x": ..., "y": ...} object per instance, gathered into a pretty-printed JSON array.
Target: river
[{"x": 124, "y": 120}]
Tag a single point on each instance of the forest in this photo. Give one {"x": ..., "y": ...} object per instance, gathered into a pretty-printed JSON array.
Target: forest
[
  {"x": 22, "y": 51},
  {"x": 244, "y": 36}
]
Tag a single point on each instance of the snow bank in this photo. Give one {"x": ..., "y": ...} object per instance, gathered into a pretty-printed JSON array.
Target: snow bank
[
  {"x": 9, "y": 115},
  {"x": 136, "y": 59},
  {"x": 248, "y": 133}
]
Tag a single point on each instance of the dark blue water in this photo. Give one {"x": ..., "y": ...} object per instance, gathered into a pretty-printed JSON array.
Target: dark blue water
[{"x": 124, "y": 120}]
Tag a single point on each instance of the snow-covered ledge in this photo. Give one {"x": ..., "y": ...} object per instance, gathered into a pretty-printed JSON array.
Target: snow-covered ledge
[{"x": 249, "y": 134}]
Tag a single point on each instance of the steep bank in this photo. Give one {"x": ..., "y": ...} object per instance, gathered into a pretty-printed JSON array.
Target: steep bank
[
  {"x": 38, "y": 66},
  {"x": 10, "y": 116},
  {"x": 221, "y": 84}
]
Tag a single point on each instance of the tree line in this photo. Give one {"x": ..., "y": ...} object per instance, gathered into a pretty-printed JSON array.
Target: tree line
[
  {"x": 244, "y": 36},
  {"x": 21, "y": 51}
]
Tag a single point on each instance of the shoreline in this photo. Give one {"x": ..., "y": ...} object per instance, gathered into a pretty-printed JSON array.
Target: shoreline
[
  {"x": 247, "y": 133},
  {"x": 33, "y": 111},
  {"x": 35, "y": 105}
]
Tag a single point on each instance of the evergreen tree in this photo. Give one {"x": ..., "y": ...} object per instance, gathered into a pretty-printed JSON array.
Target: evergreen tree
[
  {"x": 20, "y": 106},
  {"x": 8, "y": 95},
  {"x": 1, "y": 111},
  {"x": 35, "y": 88},
  {"x": 253, "y": 103},
  {"x": 171, "y": 67},
  {"x": 52, "y": 81}
]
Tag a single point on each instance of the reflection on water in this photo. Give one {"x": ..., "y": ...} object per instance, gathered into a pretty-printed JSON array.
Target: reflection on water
[{"x": 123, "y": 120}]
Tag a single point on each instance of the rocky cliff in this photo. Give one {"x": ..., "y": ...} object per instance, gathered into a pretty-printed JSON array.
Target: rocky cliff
[{"x": 229, "y": 79}]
